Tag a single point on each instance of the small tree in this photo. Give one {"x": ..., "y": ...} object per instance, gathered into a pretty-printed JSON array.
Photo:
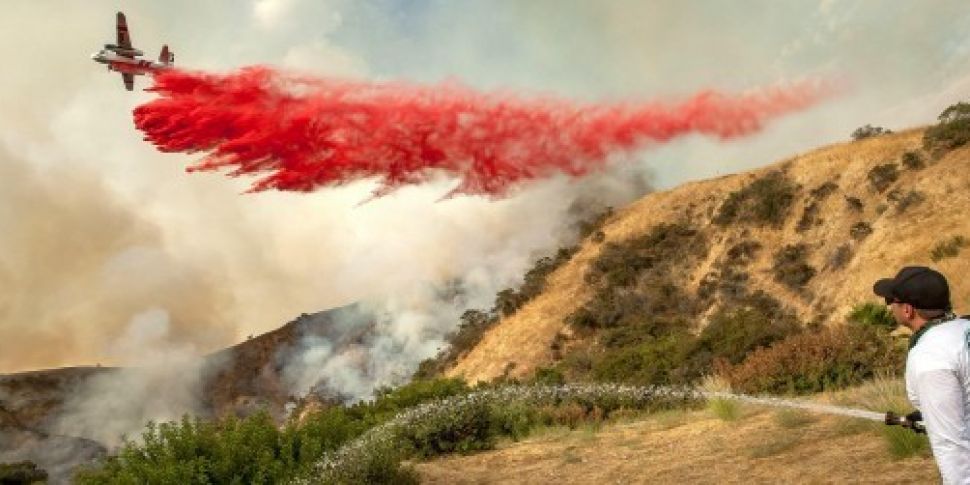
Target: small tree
[
  {"x": 953, "y": 131},
  {"x": 869, "y": 131}
]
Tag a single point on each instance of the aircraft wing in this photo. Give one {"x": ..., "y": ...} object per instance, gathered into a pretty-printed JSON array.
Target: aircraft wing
[
  {"x": 129, "y": 80},
  {"x": 124, "y": 39}
]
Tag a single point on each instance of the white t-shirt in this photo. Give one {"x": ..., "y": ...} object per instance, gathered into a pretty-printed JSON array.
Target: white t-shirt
[{"x": 938, "y": 384}]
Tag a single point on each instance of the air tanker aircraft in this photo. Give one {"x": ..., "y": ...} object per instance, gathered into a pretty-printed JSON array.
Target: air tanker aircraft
[{"x": 123, "y": 58}]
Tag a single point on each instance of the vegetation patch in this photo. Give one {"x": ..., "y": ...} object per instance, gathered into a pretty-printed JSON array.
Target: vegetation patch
[
  {"x": 913, "y": 161},
  {"x": 790, "y": 267},
  {"x": 733, "y": 332},
  {"x": 949, "y": 248},
  {"x": 823, "y": 191},
  {"x": 869, "y": 131},
  {"x": 725, "y": 409},
  {"x": 953, "y": 130},
  {"x": 860, "y": 230},
  {"x": 854, "y": 204},
  {"x": 902, "y": 201},
  {"x": 809, "y": 217},
  {"x": 810, "y": 362},
  {"x": 903, "y": 443},
  {"x": 874, "y": 314},
  {"x": 766, "y": 201},
  {"x": 882, "y": 176},
  {"x": 24, "y": 472}
]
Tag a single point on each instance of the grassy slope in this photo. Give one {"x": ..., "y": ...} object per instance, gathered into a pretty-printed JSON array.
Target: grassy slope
[
  {"x": 696, "y": 448},
  {"x": 897, "y": 239},
  {"x": 764, "y": 445}
]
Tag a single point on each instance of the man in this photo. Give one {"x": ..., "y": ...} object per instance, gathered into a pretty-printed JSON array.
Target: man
[{"x": 938, "y": 364}]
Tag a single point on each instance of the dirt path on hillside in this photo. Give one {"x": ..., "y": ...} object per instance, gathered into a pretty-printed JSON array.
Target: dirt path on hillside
[{"x": 763, "y": 446}]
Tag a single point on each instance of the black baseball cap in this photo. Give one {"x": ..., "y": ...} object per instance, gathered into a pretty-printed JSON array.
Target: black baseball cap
[{"x": 919, "y": 286}]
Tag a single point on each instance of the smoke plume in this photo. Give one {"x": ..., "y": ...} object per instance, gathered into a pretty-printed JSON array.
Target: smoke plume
[{"x": 309, "y": 133}]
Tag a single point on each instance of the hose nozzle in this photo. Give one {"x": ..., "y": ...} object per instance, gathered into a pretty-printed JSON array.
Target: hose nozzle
[{"x": 913, "y": 421}]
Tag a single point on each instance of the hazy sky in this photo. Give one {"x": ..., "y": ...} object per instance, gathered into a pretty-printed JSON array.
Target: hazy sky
[{"x": 99, "y": 233}]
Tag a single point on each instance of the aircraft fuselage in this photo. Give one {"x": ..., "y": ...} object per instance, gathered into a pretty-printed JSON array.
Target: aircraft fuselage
[{"x": 127, "y": 65}]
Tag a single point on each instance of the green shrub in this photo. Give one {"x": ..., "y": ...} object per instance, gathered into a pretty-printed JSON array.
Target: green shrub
[
  {"x": 24, "y": 472},
  {"x": 882, "y": 176},
  {"x": 953, "y": 131},
  {"x": 734, "y": 332},
  {"x": 655, "y": 361},
  {"x": 874, "y": 314},
  {"x": 948, "y": 248},
  {"x": 255, "y": 449},
  {"x": 913, "y": 161},
  {"x": 869, "y": 131},
  {"x": 817, "y": 361},
  {"x": 790, "y": 268},
  {"x": 549, "y": 376},
  {"x": 725, "y": 409},
  {"x": 766, "y": 201}
]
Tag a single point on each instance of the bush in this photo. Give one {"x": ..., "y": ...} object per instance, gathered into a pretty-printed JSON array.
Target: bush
[
  {"x": 873, "y": 314},
  {"x": 913, "y": 161},
  {"x": 790, "y": 268},
  {"x": 621, "y": 264},
  {"x": 24, "y": 472},
  {"x": 809, "y": 218},
  {"x": 655, "y": 361},
  {"x": 948, "y": 249},
  {"x": 814, "y": 362},
  {"x": 767, "y": 200},
  {"x": 732, "y": 333},
  {"x": 255, "y": 449},
  {"x": 953, "y": 131},
  {"x": 905, "y": 201},
  {"x": 860, "y": 230},
  {"x": 725, "y": 409},
  {"x": 882, "y": 176},
  {"x": 854, "y": 203},
  {"x": 869, "y": 131}
]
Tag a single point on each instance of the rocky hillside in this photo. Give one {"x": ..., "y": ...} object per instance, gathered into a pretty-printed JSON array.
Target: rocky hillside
[
  {"x": 238, "y": 380},
  {"x": 813, "y": 232}
]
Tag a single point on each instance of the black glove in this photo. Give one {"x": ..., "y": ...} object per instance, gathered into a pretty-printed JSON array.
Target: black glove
[{"x": 914, "y": 421}]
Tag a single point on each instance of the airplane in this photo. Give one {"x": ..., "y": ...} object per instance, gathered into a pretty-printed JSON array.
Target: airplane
[{"x": 124, "y": 58}]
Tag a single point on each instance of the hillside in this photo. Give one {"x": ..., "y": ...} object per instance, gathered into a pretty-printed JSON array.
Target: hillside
[
  {"x": 238, "y": 380},
  {"x": 857, "y": 212}
]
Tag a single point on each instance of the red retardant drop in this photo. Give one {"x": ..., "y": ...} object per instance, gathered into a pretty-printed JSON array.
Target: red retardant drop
[{"x": 306, "y": 133}]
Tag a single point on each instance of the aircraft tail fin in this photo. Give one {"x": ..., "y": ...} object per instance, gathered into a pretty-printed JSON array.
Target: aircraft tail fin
[{"x": 166, "y": 57}]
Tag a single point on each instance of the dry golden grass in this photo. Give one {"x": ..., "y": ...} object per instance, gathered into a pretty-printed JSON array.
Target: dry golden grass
[
  {"x": 699, "y": 448},
  {"x": 897, "y": 239}
]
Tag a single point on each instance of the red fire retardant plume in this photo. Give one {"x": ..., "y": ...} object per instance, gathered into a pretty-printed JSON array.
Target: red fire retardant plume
[{"x": 309, "y": 133}]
